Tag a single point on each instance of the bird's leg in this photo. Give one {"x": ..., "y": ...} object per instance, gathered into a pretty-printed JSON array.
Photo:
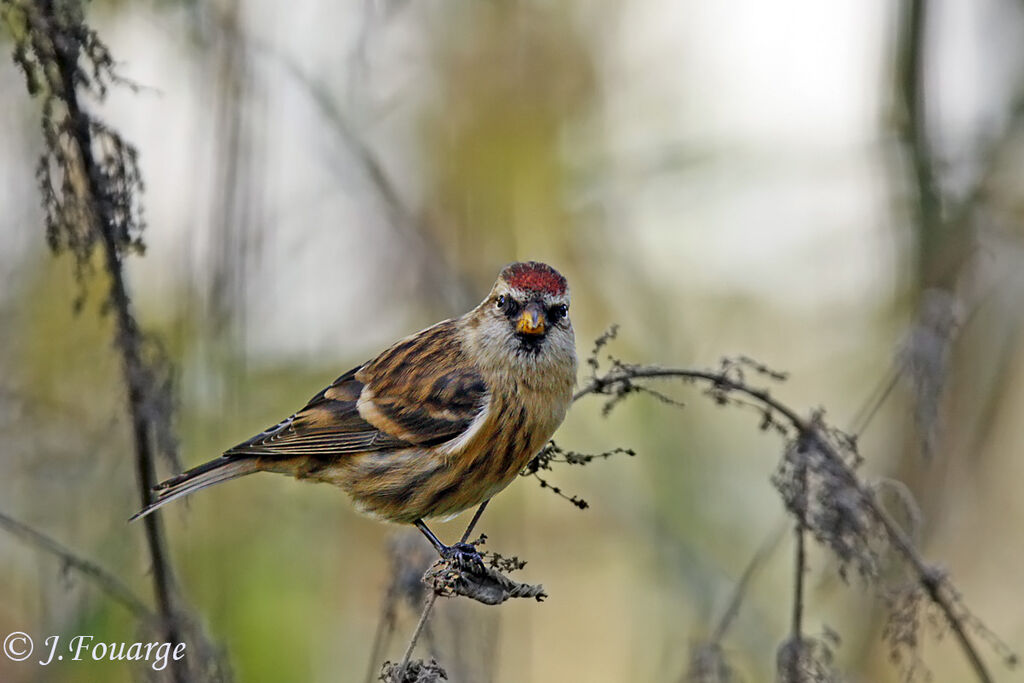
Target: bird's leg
[
  {"x": 463, "y": 553},
  {"x": 434, "y": 541},
  {"x": 476, "y": 518}
]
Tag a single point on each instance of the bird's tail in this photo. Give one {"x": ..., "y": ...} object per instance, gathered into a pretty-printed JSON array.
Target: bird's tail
[{"x": 199, "y": 477}]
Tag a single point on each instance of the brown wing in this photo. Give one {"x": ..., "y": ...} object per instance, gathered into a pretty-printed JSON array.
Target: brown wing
[
  {"x": 421, "y": 391},
  {"x": 328, "y": 425},
  {"x": 424, "y": 390}
]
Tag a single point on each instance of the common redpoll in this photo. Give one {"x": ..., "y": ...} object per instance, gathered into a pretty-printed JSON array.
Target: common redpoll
[{"x": 437, "y": 423}]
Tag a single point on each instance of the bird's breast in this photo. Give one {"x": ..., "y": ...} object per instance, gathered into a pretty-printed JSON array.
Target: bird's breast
[
  {"x": 515, "y": 421},
  {"x": 519, "y": 423}
]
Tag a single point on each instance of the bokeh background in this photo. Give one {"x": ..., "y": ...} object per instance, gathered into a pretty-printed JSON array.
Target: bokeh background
[{"x": 833, "y": 188}]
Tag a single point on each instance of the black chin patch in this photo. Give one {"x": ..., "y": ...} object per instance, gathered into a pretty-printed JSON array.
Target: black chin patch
[{"x": 530, "y": 343}]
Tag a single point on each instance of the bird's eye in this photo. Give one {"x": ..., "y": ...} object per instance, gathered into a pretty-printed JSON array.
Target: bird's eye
[
  {"x": 558, "y": 312},
  {"x": 500, "y": 301}
]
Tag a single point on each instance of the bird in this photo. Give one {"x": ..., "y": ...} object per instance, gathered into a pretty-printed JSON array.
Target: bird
[{"x": 437, "y": 423}]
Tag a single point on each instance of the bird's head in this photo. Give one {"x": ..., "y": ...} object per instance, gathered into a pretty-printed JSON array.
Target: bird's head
[{"x": 526, "y": 315}]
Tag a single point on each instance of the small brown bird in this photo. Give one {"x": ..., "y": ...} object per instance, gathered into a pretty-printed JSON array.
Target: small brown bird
[{"x": 437, "y": 423}]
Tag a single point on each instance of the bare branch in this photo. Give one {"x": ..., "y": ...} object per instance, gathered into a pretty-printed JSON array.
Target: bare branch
[
  {"x": 432, "y": 599},
  {"x": 410, "y": 558},
  {"x": 707, "y": 659},
  {"x": 795, "y": 663},
  {"x": 914, "y": 128},
  {"x": 90, "y": 182},
  {"x": 104, "y": 580},
  {"x": 620, "y": 379},
  {"x": 436, "y": 272},
  {"x": 756, "y": 562}
]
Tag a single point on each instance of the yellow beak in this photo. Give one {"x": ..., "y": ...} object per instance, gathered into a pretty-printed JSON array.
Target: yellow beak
[{"x": 531, "y": 321}]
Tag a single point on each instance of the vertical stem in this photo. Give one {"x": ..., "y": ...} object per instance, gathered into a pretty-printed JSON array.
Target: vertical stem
[
  {"x": 911, "y": 92},
  {"x": 129, "y": 340},
  {"x": 382, "y": 635},
  {"x": 796, "y": 635},
  {"x": 941, "y": 241},
  {"x": 429, "y": 606}
]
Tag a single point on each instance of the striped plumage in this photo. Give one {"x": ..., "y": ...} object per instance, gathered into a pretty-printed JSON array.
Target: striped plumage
[{"x": 437, "y": 423}]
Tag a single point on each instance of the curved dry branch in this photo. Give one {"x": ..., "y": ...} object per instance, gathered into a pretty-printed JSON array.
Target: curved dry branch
[{"x": 621, "y": 380}]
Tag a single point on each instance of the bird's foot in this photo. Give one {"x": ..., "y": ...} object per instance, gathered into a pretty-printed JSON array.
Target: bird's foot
[{"x": 464, "y": 555}]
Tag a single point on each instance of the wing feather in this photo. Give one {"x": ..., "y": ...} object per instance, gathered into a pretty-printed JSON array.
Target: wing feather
[
  {"x": 329, "y": 425},
  {"x": 422, "y": 391}
]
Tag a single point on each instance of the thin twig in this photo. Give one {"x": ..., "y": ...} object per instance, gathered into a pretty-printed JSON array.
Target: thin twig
[
  {"x": 914, "y": 128},
  {"x": 410, "y": 557},
  {"x": 799, "y": 572},
  {"x": 432, "y": 598},
  {"x": 104, "y": 580},
  {"x": 385, "y": 627},
  {"x": 942, "y": 219},
  {"x": 427, "y": 608},
  {"x": 58, "y": 34},
  {"x": 130, "y": 343},
  {"x": 874, "y": 402},
  {"x": 933, "y": 581},
  {"x": 739, "y": 592},
  {"x": 432, "y": 259}
]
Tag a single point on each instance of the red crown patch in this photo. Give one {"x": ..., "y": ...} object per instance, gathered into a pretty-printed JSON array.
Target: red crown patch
[{"x": 534, "y": 276}]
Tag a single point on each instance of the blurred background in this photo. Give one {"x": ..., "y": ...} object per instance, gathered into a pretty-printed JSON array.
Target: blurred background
[{"x": 833, "y": 188}]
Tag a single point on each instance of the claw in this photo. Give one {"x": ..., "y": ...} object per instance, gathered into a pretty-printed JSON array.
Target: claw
[{"x": 465, "y": 555}]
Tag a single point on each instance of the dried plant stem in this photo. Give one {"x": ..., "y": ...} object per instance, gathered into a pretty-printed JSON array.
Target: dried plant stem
[
  {"x": 799, "y": 572},
  {"x": 424, "y": 616},
  {"x": 107, "y": 582},
  {"x": 914, "y": 131},
  {"x": 621, "y": 377},
  {"x": 385, "y": 628},
  {"x": 942, "y": 219},
  {"x": 129, "y": 338},
  {"x": 432, "y": 598},
  {"x": 432, "y": 260},
  {"x": 759, "y": 558}
]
